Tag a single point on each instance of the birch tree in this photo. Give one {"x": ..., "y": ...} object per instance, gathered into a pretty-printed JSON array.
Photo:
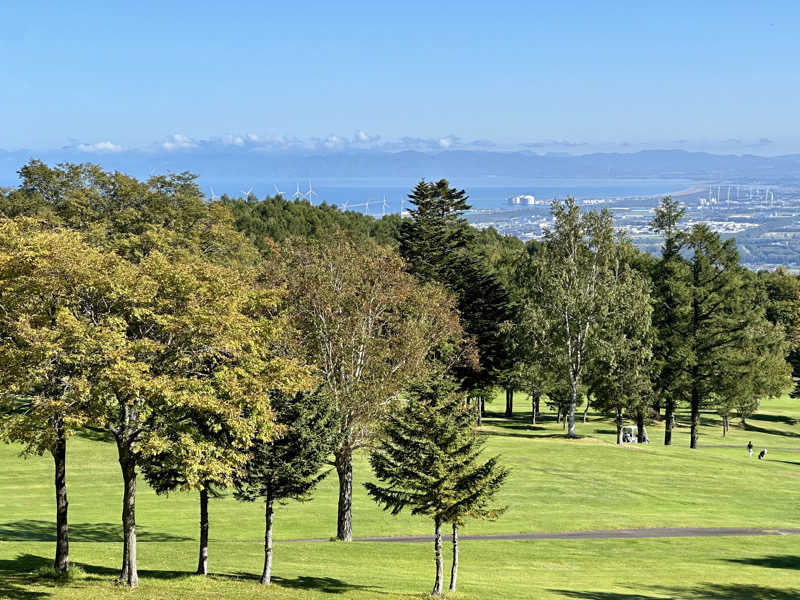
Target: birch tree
[
  {"x": 578, "y": 281},
  {"x": 369, "y": 328}
]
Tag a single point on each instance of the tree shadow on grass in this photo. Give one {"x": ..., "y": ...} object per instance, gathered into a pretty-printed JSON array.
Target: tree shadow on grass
[
  {"x": 325, "y": 585},
  {"x": 604, "y": 595},
  {"x": 533, "y": 435},
  {"x": 751, "y": 427},
  {"x": 787, "y": 561},
  {"x": 45, "y": 531},
  {"x": 773, "y": 419},
  {"x": 16, "y": 576},
  {"x": 707, "y": 591}
]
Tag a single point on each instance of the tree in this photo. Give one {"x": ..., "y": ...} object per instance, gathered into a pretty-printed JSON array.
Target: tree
[
  {"x": 217, "y": 342},
  {"x": 289, "y": 466},
  {"x": 671, "y": 305},
  {"x": 577, "y": 282},
  {"x": 428, "y": 461},
  {"x": 150, "y": 381},
  {"x": 755, "y": 368},
  {"x": 783, "y": 308},
  {"x": 369, "y": 328},
  {"x": 725, "y": 309},
  {"x": 620, "y": 377},
  {"x": 439, "y": 246},
  {"x": 53, "y": 291}
]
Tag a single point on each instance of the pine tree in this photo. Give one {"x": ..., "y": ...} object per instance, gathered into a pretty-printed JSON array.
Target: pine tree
[
  {"x": 290, "y": 466},
  {"x": 429, "y": 462},
  {"x": 439, "y": 245},
  {"x": 670, "y": 310}
]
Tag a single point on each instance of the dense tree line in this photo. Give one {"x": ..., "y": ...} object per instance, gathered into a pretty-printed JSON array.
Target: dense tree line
[{"x": 249, "y": 345}]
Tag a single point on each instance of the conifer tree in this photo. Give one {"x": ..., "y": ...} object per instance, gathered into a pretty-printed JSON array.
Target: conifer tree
[
  {"x": 288, "y": 467},
  {"x": 429, "y": 462},
  {"x": 670, "y": 311},
  {"x": 436, "y": 242}
]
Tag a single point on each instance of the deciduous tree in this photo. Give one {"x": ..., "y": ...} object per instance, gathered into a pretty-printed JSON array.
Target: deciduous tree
[{"x": 370, "y": 328}]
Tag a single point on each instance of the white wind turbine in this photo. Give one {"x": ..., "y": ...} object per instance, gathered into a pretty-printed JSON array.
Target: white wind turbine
[
  {"x": 278, "y": 193},
  {"x": 247, "y": 193},
  {"x": 298, "y": 195},
  {"x": 214, "y": 197},
  {"x": 310, "y": 193}
]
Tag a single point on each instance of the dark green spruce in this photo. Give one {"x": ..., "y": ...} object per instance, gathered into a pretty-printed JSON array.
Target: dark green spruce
[
  {"x": 429, "y": 462},
  {"x": 290, "y": 466}
]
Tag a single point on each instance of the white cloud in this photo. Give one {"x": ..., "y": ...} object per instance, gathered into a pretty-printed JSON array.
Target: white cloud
[
  {"x": 232, "y": 140},
  {"x": 100, "y": 147},
  {"x": 178, "y": 141}
]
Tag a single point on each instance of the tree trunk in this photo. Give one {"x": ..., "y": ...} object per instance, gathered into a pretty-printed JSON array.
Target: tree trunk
[
  {"x": 59, "y": 453},
  {"x": 202, "y": 560},
  {"x": 618, "y": 421},
  {"x": 454, "y": 568},
  {"x": 437, "y": 551},
  {"x": 641, "y": 430},
  {"x": 572, "y": 406},
  {"x": 586, "y": 410},
  {"x": 129, "y": 574},
  {"x": 534, "y": 408},
  {"x": 479, "y": 404},
  {"x": 668, "y": 422},
  {"x": 558, "y": 414},
  {"x": 724, "y": 425},
  {"x": 509, "y": 403},
  {"x": 266, "y": 576},
  {"x": 344, "y": 469},
  {"x": 695, "y": 418}
]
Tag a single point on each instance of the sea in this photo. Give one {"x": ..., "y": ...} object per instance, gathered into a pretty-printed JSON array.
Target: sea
[{"x": 376, "y": 196}]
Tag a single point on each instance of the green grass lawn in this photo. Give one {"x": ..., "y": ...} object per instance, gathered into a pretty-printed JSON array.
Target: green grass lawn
[{"x": 555, "y": 485}]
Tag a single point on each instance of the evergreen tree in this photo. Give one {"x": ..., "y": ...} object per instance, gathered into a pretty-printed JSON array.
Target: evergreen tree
[
  {"x": 288, "y": 467},
  {"x": 671, "y": 305},
  {"x": 724, "y": 306},
  {"x": 429, "y": 461},
  {"x": 437, "y": 244}
]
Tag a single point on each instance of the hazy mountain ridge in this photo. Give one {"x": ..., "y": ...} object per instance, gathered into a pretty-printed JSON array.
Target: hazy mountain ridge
[{"x": 248, "y": 164}]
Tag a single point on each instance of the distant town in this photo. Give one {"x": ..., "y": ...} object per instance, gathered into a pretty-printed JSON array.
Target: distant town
[{"x": 765, "y": 220}]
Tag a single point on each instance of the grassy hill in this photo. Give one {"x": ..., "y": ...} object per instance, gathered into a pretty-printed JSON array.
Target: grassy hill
[{"x": 555, "y": 485}]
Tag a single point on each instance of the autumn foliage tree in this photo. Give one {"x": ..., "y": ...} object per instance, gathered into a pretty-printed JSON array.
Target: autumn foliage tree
[
  {"x": 369, "y": 328},
  {"x": 56, "y": 292}
]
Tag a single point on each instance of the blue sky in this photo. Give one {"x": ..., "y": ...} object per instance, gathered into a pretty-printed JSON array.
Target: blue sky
[{"x": 569, "y": 76}]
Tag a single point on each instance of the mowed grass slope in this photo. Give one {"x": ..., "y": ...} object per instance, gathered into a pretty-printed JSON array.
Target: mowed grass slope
[{"x": 555, "y": 485}]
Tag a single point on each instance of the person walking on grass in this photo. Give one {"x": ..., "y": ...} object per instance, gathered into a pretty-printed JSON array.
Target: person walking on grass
[
  {"x": 750, "y": 448},
  {"x": 762, "y": 454}
]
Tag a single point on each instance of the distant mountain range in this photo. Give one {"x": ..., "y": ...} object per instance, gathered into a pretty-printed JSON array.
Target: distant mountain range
[{"x": 247, "y": 164}]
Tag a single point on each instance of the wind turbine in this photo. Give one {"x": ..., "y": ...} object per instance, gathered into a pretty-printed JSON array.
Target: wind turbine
[
  {"x": 298, "y": 195},
  {"x": 383, "y": 208},
  {"x": 278, "y": 193},
  {"x": 214, "y": 197},
  {"x": 247, "y": 193},
  {"x": 310, "y": 192}
]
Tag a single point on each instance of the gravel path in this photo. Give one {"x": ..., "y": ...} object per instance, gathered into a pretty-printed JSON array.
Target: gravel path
[{"x": 598, "y": 534}]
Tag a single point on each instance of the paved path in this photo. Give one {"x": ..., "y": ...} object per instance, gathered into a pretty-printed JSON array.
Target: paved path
[{"x": 597, "y": 534}]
